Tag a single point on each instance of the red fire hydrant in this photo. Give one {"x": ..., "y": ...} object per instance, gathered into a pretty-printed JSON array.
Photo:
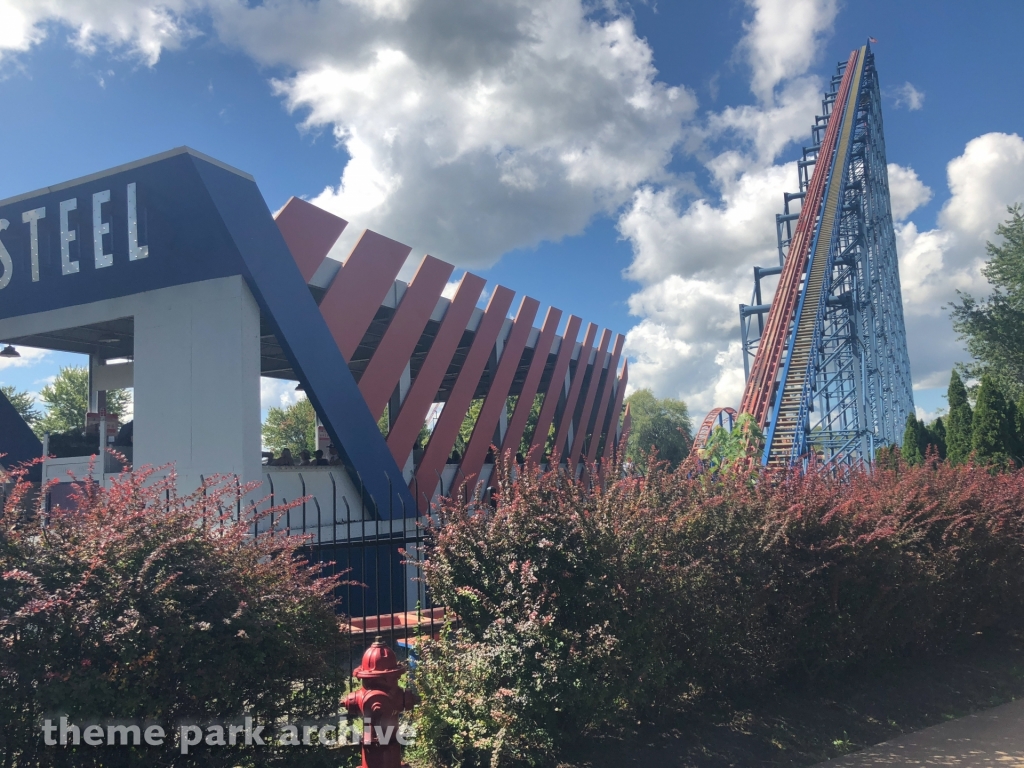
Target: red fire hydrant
[{"x": 379, "y": 703}]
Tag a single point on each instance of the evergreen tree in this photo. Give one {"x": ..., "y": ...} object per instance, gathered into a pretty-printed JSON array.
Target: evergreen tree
[
  {"x": 937, "y": 436},
  {"x": 1014, "y": 447},
  {"x": 959, "y": 423},
  {"x": 1019, "y": 429},
  {"x": 991, "y": 436},
  {"x": 911, "y": 448}
]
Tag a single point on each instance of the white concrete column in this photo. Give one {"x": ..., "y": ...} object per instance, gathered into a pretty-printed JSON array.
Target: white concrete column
[{"x": 197, "y": 381}]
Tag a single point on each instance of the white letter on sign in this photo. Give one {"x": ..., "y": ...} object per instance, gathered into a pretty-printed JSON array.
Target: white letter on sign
[
  {"x": 5, "y": 258},
  {"x": 67, "y": 236},
  {"x": 32, "y": 219},
  {"x": 135, "y": 251},
  {"x": 99, "y": 229}
]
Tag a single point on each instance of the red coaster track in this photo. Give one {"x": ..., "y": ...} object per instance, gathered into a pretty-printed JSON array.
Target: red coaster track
[{"x": 768, "y": 362}]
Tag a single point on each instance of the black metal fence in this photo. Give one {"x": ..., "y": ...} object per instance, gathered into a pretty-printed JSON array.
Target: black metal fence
[{"x": 373, "y": 553}]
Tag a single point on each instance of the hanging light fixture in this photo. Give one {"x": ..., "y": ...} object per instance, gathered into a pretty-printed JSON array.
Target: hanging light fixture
[{"x": 9, "y": 351}]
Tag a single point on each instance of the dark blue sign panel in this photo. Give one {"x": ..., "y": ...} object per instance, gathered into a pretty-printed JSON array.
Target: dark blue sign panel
[
  {"x": 138, "y": 228},
  {"x": 181, "y": 218}
]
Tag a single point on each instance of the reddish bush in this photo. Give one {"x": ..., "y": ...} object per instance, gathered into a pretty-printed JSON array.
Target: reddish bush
[
  {"x": 142, "y": 604},
  {"x": 575, "y": 602}
]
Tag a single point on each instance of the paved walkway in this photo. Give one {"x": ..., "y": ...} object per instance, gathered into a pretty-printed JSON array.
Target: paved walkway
[{"x": 990, "y": 739}]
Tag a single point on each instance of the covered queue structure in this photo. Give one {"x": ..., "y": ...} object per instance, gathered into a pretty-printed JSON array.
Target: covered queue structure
[{"x": 175, "y": 279}]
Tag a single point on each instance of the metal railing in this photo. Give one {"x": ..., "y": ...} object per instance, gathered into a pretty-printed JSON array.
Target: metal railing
[{"x": 374, "y": 556}]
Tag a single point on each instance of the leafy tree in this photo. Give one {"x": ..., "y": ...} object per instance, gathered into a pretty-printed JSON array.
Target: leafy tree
[
  {"x": 293, "y": 427},
  {"x": 992, "y": 437},
  {"x": 67, "y": 401},
  {"x": 468, "y": 423},
  {"x": 991, "y": 327},
  {"x": 531, "y": 429},
  {"x": 744, "y": 442},
  {"x": 384, "y": 425},
  {"x": 23, "y": 403},
  {"x": 531, "y": 424},
  {"x": 959, "y": 423},
  {"x": 660, "y": 424},
  {"x": 912, "y": 434}
]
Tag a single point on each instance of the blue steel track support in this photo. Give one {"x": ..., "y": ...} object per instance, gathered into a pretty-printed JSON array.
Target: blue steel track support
[{"x": 857, "y": 392}]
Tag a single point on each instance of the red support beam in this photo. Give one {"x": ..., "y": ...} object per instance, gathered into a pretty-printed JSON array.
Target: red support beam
[
  {"x": 310, "y": 233},
  {"x": 574, "y": 391},
  {"x": 521, "y": 413},
  {"x": 385, "y": 368},
  {"x": 588, "y": 402},
  {"x": 407, "y": 424},
  {"x": 611, "y": 442},
  {"x": 360, "y": 288},
  {"x": 457, "y": 405},
  {"x": 605, "y": 398},
  {"x": 497, "y": 395},
  {"x": 551, "y": 397}
]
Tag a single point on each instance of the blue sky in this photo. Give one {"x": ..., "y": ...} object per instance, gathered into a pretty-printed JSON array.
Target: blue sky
[{"x": 622, "y": 161}]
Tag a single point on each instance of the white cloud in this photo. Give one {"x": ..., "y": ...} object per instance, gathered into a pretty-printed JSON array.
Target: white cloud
[
  {"x": 770, "y": 130},
  {"x": 907, "y": 192},
  {"x": 706, "y": 238},
  {"x": 693, "y": 254},
  {"x": 476, "y": 128},
  {"x": 30, "y": 356},
  {"x": 929, "y": 416},
  {"x": 142, "y": 30},
  {"x": 987, "y": 177},
  {"x": 278, "y": 393},
  {"x": 450, "y": 288},
  {"x": 908, "y": 96},
  {"x": 783, "y": 39},
  {"x": 473, "y": 128},
  {"x": 17, "y": 29},
  {"x": 687, "y": 345},
  {"x": 696, "y": 264},
  {"x": 935, "y": 263}
]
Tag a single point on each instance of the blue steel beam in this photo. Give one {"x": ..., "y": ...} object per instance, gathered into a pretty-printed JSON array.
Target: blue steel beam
[{"x": 857, "y": 391}]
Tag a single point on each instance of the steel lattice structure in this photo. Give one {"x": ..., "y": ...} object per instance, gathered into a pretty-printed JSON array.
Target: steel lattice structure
[{"x": 831, "y": 376}]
